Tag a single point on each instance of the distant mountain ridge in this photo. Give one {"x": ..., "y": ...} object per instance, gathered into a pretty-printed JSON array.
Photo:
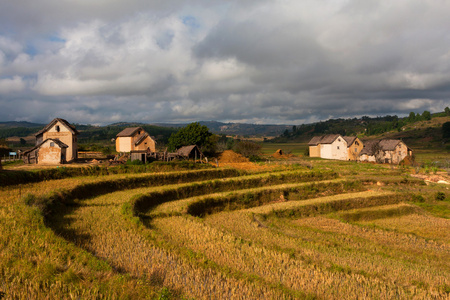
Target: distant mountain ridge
[
  {"x": 241, "y": 129},
  {"x": 15, "y": 124}
]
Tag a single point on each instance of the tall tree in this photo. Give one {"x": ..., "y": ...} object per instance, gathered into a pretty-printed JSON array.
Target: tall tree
[
  {"x": 446, "y": 130},
  {"x": 426, "y": 115},
  {"x": 193, "y": 134}
]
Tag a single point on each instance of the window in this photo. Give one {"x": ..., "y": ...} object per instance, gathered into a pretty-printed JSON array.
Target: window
[
  {"x": 356, "y": 149},
  {"x": 338, "y": 147},
  {"x": 52, "y": 144},
  {"x": 57, "y": 128}
]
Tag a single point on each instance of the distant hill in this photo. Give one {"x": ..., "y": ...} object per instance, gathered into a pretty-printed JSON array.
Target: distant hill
[
  {"x": 422, "y": 128},
  {"x": 24, "y": 124},
  {"x": 240, "y": 129},
  {"x": 421, "y": 131}
]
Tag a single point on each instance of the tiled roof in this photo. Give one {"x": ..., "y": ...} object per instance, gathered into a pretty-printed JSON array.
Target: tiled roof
[
  {"x": 370, "y": 147},
  {"x": 143, "y": 137},
  {"x": 324, "y": 139},
  {"x": 49, "y": 125},
  {"x": 389, "y": 145},
  {"x": 58, "y": 142},
  {"x": 349, "y": 140},
  {"x": 128, "y": 131}
]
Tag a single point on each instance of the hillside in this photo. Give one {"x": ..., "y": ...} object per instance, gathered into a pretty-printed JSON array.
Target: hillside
[{"x": 415, "y": 131}]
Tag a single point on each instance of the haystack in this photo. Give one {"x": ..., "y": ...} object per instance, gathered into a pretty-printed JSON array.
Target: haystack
[
  {"x": 279, "y": 154},
  {"x": 229, "y": 156}
]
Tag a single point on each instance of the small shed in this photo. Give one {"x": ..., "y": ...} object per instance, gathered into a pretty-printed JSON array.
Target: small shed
[
  {"x": 50, "y": 151},
  {"x": 190, "y": 152}
]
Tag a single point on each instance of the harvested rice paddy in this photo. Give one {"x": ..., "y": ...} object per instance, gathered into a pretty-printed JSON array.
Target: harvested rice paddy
[{"x": 313, "y": 230}]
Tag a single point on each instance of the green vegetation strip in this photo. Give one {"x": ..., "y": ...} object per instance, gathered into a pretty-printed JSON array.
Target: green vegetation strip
[
  {"x": 260, "y": 196},
  {"x": 244, "y": 198},
  {"x": 143, "y": 203},
  {"x": 9, "y": 177},
  {"x": 382, "y": 212},
  {"x": 48, "y": 204},
  {"x": 326, "y": 205}
]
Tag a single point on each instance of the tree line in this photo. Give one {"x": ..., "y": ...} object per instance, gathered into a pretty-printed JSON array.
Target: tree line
[{"x": 356, "y": 126}]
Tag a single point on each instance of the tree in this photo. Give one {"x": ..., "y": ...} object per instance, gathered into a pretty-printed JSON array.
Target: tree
[
  {"x": 412, "y": 117},
  {"x": 426, "y": 115},
  {"x": 193, "y": 134},
  {"x": 22, "y": 141},
  {"x": 447, "y": 111},
  {"x": 446, "y": 130}
]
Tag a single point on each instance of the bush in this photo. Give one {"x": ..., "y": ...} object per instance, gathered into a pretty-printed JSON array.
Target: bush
[
  {"x": 247, "y": 148},
  {"x": 418, "y": 198},
  {"x": 440, "y": 196},
  {"x": 135, "y": 162}
]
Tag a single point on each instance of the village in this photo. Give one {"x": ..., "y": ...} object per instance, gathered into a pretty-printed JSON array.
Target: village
[{"x": 57, "y": 144}]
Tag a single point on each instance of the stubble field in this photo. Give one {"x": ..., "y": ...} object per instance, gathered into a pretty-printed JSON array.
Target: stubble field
[{"x": 304, "y": 229}]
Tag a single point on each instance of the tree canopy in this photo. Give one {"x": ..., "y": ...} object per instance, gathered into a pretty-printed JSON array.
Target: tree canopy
[{"x": 193, "y": 134}]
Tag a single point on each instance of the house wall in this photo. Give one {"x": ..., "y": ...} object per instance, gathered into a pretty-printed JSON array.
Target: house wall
[
  {"x": 314, "y": 151},
  {"x": 397, "y": 155},
  {"x": 64, "y": 135},
  {"x": 336, "y": 150},
  {"x": 354, "y": 149},
  {"x": 48, "y": 154},
  {"x": 147, "y": 143},
  {"x": 124, "y": 144},
  {"x": 367, "y": 158}
]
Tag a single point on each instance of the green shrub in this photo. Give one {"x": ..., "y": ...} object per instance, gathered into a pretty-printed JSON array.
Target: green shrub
[
  {"x": 440, "y": 196},
  {"x": 418, "y": 198},
  {"x": 135, "y": 162}
]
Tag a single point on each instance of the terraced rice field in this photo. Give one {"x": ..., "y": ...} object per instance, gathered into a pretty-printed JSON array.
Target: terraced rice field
[{"x": 320, "y": 233}]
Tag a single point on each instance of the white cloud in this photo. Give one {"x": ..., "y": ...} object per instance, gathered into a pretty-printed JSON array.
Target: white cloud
[
  {"x": 9, "y": 85},
  {"x": 262, "y": 61}
]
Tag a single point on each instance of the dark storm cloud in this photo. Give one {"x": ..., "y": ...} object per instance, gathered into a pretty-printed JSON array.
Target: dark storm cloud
[{"x": 249, "y": 61}]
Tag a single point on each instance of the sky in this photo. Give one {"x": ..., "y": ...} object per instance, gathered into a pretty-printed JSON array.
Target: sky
[{"x": 249, "y": 61}]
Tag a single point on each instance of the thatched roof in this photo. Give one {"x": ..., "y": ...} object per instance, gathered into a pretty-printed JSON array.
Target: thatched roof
[
  {"x": 130, "y": 131},
  {"x": 53, "y": 122},
  {"x": 187, "y": 150}
]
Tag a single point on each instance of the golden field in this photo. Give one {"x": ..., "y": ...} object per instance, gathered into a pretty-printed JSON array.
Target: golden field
[{"x": 289, "y": 229}]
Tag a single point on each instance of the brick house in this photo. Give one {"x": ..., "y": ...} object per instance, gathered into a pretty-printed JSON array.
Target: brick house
[
  {"x": 56, "y": 143},
  {"x": 134, "y": 139}
]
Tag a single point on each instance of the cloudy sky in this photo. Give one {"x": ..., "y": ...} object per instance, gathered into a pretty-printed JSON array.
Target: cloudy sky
[{"x": 252, "y": 61}]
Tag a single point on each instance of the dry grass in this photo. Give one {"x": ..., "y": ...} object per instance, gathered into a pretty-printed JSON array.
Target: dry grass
[{"x": 332, "y": 239}]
